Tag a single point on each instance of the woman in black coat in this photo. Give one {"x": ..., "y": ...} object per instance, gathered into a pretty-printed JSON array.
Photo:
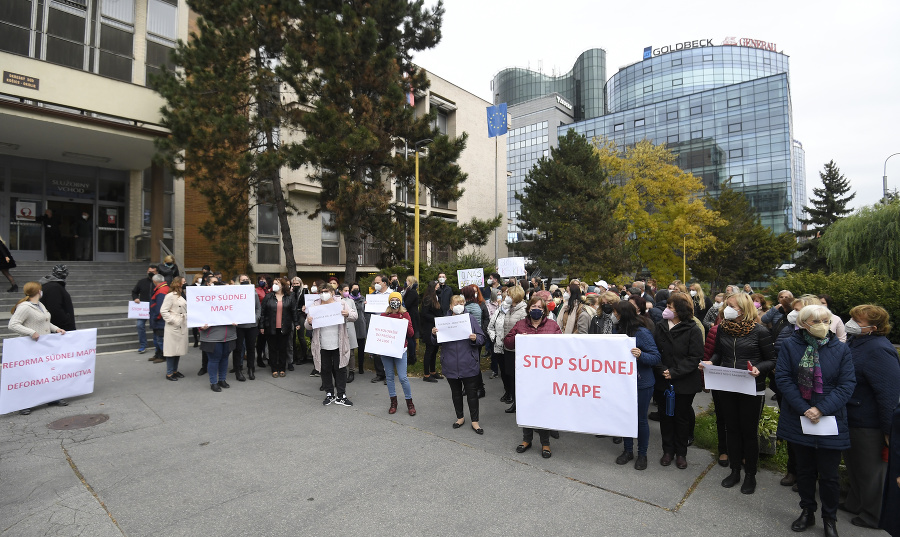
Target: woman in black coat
[
  {"x": 7, "y": 262},
  {"x": 277, "y": 328},
  {"x": 431, "y": 308},
  {"x": 411, "y": 303},
  {"x": 890, "y": 518},
  {"x": 680, "y": 344}
]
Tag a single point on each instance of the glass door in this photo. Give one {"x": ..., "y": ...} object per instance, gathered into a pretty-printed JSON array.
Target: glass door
[
  {"x": 25, "y": 237},
  {"x": 110, "y": 233}
]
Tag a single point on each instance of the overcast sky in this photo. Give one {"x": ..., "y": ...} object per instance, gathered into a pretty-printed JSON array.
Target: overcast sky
[{"x": 845, "y": 71}]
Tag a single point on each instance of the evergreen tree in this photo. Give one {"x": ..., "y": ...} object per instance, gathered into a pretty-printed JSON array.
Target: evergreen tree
[
  {"x": 567, "y": 213},
  {"x": 829, "y": 204},
  {"x": 744, "y": 250},
  {"x": 350, "y": 65}
]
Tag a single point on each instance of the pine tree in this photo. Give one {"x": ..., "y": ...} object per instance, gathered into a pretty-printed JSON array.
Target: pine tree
[
  {"x": 567, "y": 213},
  {"x": 829, "y": 205}
]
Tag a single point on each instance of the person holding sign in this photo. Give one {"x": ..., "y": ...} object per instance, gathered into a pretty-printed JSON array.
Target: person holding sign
[
  {"x": 397, "y": 311},
  {"x": 31, "y": 319},
  {"x": 816, "y": 378},
  {"x": 461, "y": 365},
  {"x": 517, "y": 312},
  {"x": 175, "y": 338},
  {"x": 742, "y": 342},
  {"x": 277, "y": 312},
  {"x": 331, "y": 347},
  {"x": 537, "y": 322}
]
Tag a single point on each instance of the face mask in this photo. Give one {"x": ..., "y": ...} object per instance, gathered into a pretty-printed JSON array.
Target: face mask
[
  {"x": 756, "y": 305},
  {"x": 507, "y": 301},
  {"x": 458, "y": 309},
  {"x": 730, "y": 313},
  {"x": 41, "y": 294},
  {"x": 717, "y": 305},
  {"x": 150, "y": 274},
  {"x": 313, "y": 290},
  {"x": 442, "y": 280},
  {"x": 490, "y": 281},
  {"x": 276, "y": 288},
  {"x": 607, "y": 308},
  {"x": 261, "y": 283},
  {"x": 615, "y": 320},
  {"x": 355, "y": 292},
  {"x": 818, "y": 331},
  {"x": 325, "y": 297},
  {"x": 668, "y": 314},
  {"x": 377, "y": 287},
  {"x": 536, "y": 314},
  {"x": 245, "y": 282},
  {"x": 345, "y": 294},
  {"x": 566, "y": 296},
  {"x": 395, "y": 304},
  {"x": 693, "y": 293},
  {"x": 792, "y": 317},
  {"x": 84, "y": 216}
]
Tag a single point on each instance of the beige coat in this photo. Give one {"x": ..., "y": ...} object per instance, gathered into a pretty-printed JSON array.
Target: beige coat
[
  {"x": 315, "y": 336},
  {"x": 175, "y": 335}
]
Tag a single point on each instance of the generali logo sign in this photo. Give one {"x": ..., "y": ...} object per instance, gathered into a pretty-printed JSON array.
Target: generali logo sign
[{"x": 748, "y": 42}]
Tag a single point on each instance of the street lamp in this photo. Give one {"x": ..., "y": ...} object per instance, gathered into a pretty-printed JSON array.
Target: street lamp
[
  {"x": 684, "y": 256},
  {"x": 424, "y": 142},
  {"x": 884, "y": 176}
]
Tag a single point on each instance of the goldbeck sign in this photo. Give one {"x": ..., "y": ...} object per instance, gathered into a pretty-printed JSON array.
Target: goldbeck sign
[{"x": 650, "y": 52}]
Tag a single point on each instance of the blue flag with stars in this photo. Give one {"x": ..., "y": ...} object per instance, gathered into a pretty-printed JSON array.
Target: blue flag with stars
[{"x": 496, "y": 117}]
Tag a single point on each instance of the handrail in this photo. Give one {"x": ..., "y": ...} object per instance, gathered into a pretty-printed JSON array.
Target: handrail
[{"x": 165, "y": 250}]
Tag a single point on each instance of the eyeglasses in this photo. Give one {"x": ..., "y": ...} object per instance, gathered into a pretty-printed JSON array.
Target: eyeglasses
[{"x": 817, "y": 321}]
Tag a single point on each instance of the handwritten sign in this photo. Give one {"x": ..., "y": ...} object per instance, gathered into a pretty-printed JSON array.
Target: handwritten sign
[
  {"x": 53, "y": 367},
  {"x": 470, "y": 276},
  {"x": 511, "y": 266},
  {"x": 728, "y": 379},
  {"x": 138, "y": 311},
  {"x": 387, "y": 336},
  {"x": 377, "y": 303},
  {"x": 579, "y": 383},
  {"x": 325, "y": 314},
  {"x": 453, "y": 328},
  {"x": 220, "y": 304}
]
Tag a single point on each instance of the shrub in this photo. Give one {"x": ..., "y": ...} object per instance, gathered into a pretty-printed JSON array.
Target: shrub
[{"x": 429, "y": 273}]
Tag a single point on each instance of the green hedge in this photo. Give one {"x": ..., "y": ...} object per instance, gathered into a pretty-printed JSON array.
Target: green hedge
[
  {"x": 429, "y": 273},
  {"x": 847, "y": 289}
]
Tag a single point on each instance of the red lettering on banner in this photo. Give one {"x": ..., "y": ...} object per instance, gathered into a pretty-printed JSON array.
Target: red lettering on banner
[
  {"x": 597, "y": 389},
  {"x": 27, "y": 384},
  {"x": 223, "y": 308},
  {"x": 576, "y": 390}
]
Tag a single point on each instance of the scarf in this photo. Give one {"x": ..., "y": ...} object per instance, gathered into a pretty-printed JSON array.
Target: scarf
[
  {"x": 809, "y": 377},
  {"x": 737, "y": 328}
]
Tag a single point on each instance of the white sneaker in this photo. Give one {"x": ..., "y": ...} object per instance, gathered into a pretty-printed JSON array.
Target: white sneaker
[{"x": 342, "y": 400}]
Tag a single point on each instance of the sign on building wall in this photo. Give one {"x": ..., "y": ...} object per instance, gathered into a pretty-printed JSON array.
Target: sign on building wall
[{"x": 23, "y": 81}]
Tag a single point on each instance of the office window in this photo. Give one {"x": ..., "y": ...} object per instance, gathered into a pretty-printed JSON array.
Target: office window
[
  {"x": 676, "y": 62},
  {"x": 619, "y": 127},
  {"x": 677, "y": 82},
  {"x": 672, "y": 115},
  {"x": 162, "y": 19},
  {"x": 158, "y": 58},
  {"x": 672, "y": 139},
  {"x": 734, "y": 127},
  {"x": 696, "y": 134},
  {"x": 707, "y": 57},
  {"x": 735, "y": 153},
  {"x": 648, "y": 89},
  {"x": 734, "y": 102},
  {"x": 331, "y": 254},
  {"x": 648, "y": 70},
  {"x": 639, "y": 122},
  {"x": 440, "y": 122},
  {"x": 696, "y": 110}
]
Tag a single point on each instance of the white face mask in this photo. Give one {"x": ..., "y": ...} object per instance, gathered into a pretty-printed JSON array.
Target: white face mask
[
  {"x": 792, "y": 317},
  {"x": 693, "y": 293},
  {"x": 377, "y": 287},
  {"x": 84, "y": 216},
  {"x": 313, "y": 290},
  {"x": 566, "y": 296},
  {"x": 490, "y": 281},
  {"x": 41, "y": 293},
  {"x": 507, "y": 300},
  {"x": 458, "y": 309},
  {"x": 442, "y": 280},
  {"x": 325, "y": 297},
  {"x": 717, "y": 305},
  {"x": 276, "y": 288},
  {"x": 730, "y": 313}
]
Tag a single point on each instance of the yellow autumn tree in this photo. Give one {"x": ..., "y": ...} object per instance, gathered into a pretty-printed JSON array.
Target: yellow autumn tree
[{"x": 661, "y": 204}]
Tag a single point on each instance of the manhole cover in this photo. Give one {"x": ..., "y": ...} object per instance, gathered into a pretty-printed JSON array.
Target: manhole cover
[{"x": 78, "y": 422}]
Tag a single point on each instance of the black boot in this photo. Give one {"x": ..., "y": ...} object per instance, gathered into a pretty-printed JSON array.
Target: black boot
[
  {"x": 239, "y": 375},
  {"x": 830, "y": 527},
  {"x": 749, "y": 485},
  {"x": 806, "y": 519},
  {"x": 251, "y": 370},
  {"x": 732, "y": 479}
]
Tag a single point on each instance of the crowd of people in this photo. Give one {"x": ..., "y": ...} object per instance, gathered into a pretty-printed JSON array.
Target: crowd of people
[{"x": 819, "y": 368}]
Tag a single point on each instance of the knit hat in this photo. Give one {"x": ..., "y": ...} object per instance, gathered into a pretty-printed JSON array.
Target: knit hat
[{"x": 60, "y": 271}]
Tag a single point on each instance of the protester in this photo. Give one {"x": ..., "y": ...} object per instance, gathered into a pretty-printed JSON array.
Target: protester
[
  {"x": 331, "y": 347},
  {"x": 218, "y": 342},
  {"x": 169, "y": 269},
  {"x": 263, "y": 285},
  {"x": 659, "y": 304},
  {"x": 869, "y": 411},
  {"x": 816, "y": 378},
  {"x": 491, "y": 284},
  {"x": 602, "y": 323},
  {"x": 141, "y": 292},
  {"x": 84, "y": 235},
  {"x": 360, "y": 324},
  {"x": 245, "y": 342},
  {"x": 431, "y": 308},
  {"x": 646, "y": 355},
  {"x": 574, "y": 317},
  {"x": 157, "y": 324},
  {"x": 712, "y": 314},
  {"x": 680, "y": 343},
  {"x": 175, "y": 332},
  {"x": 343, "y": 294},
  {"x": 890, "y": 518},
  {"x": 31, "y": 319},
  {"x": 709, "y": 349},
  {"x": 743, "y": 343},
  {"x": 759, "y": 302},
  {"x": 411, "y": 303},
  {"x": 379, "y": 285},
  {"x": 515, "y": 301},
  {"x": 474, "y": 305},
  {"x": 396, "y": 310},
  {"x": 536, "y": 323},
  {"x": 837, "y": 325},
  {"x": 6, "y": 263},
  {"x": 57, "y": 299},
  {"x": 461, "y": 364},
  {"x": 776, "y": 318},
  {"x": 198, "y": 281},
  {"x": 702, "y": 303},
  {"x": 277, "y": 321},
  {"x": 495, "y": 342},
  {"x": 445, "y": 291}
]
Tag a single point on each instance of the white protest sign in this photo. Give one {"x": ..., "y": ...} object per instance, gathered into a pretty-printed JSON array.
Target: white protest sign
[
  {"x": 387, "y": 336},
  {"x": 138, "y": 311},
  {"x": 220, "y": 304},
  {"x": 325, "y": 314},
  {"x": 470, "y": 276},
  {"x": 728, "y": 379},
  {"x": 827, "y": 426},
  {"x": 453, "y": 328},
  {"x": 53, "y": 367},
  {"x": 579, "y": 383},
  {"x": 377, "y": 303},
  {"x": 511, "y": 266}
]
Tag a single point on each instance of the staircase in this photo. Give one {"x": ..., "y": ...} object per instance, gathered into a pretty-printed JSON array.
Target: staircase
[{"x": 100, "y": 292}]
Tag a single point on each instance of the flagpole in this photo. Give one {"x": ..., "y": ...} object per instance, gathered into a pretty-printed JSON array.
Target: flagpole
[{"x": 496, "y": 182}]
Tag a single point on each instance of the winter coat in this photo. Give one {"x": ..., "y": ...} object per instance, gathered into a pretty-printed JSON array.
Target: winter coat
[
  {"x": 58, "y": 302},
  {"x": 495, "y": 329},
  {"x": 580, "y": 325},
  {"x": 427, "y": 315},
  {"x": 602, "y": 324},
  {"x": 649, "y": 357},
  {"x": 781, "y": 329},
  {"x": 709, "y": 320},
  {"x": 315, "y": 337},
  {"x": 838, "y": 383},
  {"x": 655, "y": 314},
  {"x": 4, "y": 253},
  {"x": 524, "y": 327},
  {"x": 877, "y": 383},
  {"x": 224, "y": 333},
  {"x": 409, "y": 328},
  {"x": 142, "y": 290},
  {"x": 350, "y": 322},
  {"x": 700, "y": 310},
  {"x": 411, "y": 303},
  {"x": 474, "y": 310},
  {"x": 29, "y": 318},
  {"x": 756, "y": 347},
  {"x": 156, "y": 302},
  {"x": 890, "y": 518},
  {"x": 85, "y": 229},
  {"x": 680, "y": 349},
  {"x": 257, "y": 311},
  {"x": 459, "y": 359},
  {"x": 168, "y": 272},
  {"x": 360, "y": 324},
  {"x": 515, "y": 315},
  {"x": 175, "y": 333},
  {"x": 269, "y": 311},
  {"x": 444, "y": 294}
]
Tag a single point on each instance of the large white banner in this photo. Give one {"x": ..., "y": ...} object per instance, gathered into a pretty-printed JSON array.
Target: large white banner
[
  {"x": 138, "y": 311},
  {"x": 579, "y": 383},
  {"x": 453, "y": 328},
  {"x": 220, "y": 304},
  {"x": 377, "y": 303},
  {"x": 326, "y": 314},
  {"x": 387, "y": 336},
  {"x": 53, "y": 367},
  {"x": 511, "y": 266},
  {"x": 470, "y": 276}
]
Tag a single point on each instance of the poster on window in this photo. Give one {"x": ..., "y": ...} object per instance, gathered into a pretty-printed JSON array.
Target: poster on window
[{"x": 26, "y": 211}]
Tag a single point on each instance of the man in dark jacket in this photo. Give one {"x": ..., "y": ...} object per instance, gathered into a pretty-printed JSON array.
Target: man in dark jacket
[
  {"x": 160, "y": 290},
  {"x": 380, "y": 285},
  {"x": 56, "y": 299},
  {"x": 445, "y": 293},
  {"x": 84, "y": 235},
  {"x": 142, "y": 291},
  {"x": 52, "y": 234},
  {"x": 776, "y": 318}
]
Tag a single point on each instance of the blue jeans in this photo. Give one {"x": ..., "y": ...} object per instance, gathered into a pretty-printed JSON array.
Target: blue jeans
[
  {"x": 142, "y": 333},
  {"x": 171, "y": 365},
  {"x": 218, "y": 363},
  {"x": 389, "y": 364},
  {"x": 644, "y": 397}
]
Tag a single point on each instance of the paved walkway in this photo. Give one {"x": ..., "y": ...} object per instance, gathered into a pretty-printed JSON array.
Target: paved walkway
[{"x": 266, "y": 458}]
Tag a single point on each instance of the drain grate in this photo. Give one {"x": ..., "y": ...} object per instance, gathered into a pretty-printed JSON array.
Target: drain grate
[{"x": 78, "y": 422}]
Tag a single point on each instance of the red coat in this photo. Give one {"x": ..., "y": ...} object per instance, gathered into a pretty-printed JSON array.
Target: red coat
[
  {"x": 410, "y": 331},
  {"x": 261, "y": 293},
  {"x": 547, "y": 326},
  {"x": 709, "y": 348}
]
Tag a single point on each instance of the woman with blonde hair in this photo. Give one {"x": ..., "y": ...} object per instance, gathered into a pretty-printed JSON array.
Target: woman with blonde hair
[
  {"x": 168, "y": 268},
  {"x": 175, "y": 338},
  {"x": 31, "y": 319},
  {"x": 515, "y": 301},
  {"x": 702, "y": 303},
  {"x": 7, "y": 262}
]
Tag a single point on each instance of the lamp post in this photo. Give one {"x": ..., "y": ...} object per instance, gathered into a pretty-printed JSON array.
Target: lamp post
[
  {"x": 884, "y": 176},
  {"x": 684, "y": 257},
  {"x": 426, "y": 141}
]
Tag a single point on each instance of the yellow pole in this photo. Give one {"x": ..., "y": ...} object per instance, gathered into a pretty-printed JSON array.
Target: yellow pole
[
  {"x": 684, "y": 257},
  {"x": 416, "y": 245}
]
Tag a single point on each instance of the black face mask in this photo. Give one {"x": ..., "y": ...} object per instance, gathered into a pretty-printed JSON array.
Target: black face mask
[
  {"x": 296, "y": 288},
  {"x": 607, "y": 308},
  {"x": 355, "y": 292},
  {"x": 245, "y": 282},
  {"x": 151, "y": 275}
]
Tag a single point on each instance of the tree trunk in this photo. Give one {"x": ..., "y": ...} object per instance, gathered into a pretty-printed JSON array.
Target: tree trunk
[
  {"x": 352, "y": 245},
  {"x": 286, "y": 240}
]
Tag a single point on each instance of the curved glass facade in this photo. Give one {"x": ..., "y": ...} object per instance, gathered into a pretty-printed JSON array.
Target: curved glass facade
[
  {"x": 583, "y": 86},
  {"x": 688, "y": 72}
]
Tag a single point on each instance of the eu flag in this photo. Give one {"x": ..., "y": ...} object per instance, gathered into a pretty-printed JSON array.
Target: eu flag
[{"x": 496, "y": 118}]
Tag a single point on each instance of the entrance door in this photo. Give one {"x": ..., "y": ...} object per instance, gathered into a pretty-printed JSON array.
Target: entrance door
[
  {"x": 25, "y": 235},
  {"x": 69, "y": 214},
  {"x": 110, "y": 233}
]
